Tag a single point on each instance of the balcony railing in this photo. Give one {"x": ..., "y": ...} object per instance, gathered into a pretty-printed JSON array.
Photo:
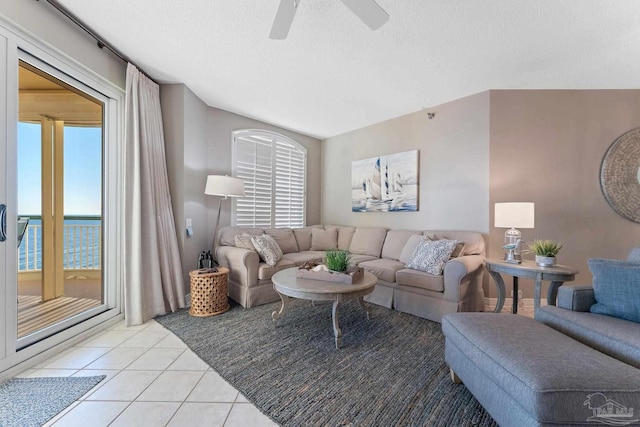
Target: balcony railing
[{"x": 82, "y": 244}]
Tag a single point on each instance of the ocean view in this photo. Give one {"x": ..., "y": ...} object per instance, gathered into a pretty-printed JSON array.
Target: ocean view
[{"x": 81, "y": 250}]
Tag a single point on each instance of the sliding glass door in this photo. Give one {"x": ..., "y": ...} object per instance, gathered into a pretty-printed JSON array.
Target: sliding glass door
[{"x": 59, "y": 194}]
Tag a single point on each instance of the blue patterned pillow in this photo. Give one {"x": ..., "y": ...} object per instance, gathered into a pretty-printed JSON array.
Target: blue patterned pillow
[
  {"x": 616, "y": 287},
  {"x": 431, "y": 255}
]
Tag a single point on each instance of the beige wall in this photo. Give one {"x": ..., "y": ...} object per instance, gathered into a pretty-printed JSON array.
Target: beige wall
[
  {"x": 544, "y": 146},
  {"x": 454, "y": 167},
  {"x": 547, "y": 147}
]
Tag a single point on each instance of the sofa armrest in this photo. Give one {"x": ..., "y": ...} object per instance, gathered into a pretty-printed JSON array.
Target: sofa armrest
[
  {"x": 242, "y": 264},
  {"x": 460, "y": 271},
  {"x": 576, "y": 297}
]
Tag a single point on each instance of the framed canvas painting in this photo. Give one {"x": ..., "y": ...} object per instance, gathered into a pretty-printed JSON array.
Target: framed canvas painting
[{"x": 385, "y": 183}]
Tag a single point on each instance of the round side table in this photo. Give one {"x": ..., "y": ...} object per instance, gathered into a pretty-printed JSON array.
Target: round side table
[{"x": 209, "y": 293}]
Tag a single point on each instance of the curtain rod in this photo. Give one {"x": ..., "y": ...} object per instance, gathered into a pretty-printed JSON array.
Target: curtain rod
[{"x": 100, "y": 42}]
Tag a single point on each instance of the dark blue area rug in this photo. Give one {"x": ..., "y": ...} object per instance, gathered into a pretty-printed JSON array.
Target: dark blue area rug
[
  {"x": 31, "y": 402},
  {"x": 390, "y": 370}
]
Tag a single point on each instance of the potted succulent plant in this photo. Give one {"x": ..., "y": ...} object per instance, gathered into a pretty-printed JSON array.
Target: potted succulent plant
[
  {"x": 338, "y": 260},
  {"x": 545, "y": 251}
]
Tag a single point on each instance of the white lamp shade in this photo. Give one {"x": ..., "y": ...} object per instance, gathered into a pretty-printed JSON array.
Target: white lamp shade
[
  {"x": 222, "y": 185},
  {"x": 514, "y": 215}
]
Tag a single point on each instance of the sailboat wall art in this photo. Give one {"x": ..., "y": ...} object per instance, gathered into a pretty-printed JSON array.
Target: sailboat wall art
[{"x": 385, "y": 183}]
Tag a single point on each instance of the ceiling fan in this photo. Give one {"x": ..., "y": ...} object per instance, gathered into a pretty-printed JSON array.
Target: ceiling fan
[{"x": 368, "y": 11}]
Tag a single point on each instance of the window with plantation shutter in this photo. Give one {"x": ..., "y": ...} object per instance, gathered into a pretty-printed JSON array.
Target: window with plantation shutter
[{"x": 273, "y": 168}]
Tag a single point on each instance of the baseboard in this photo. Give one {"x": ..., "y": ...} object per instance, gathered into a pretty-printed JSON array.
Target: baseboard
[{"x": 526, "y": 303}]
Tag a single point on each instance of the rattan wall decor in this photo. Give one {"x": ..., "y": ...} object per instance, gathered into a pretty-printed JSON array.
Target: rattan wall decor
[{"x": 620, "y": 175}]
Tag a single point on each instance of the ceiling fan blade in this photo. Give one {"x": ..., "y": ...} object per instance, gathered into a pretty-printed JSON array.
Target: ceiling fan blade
[
  {"x": 284, "y": 18},
  {"x": 368, "y": 11}
]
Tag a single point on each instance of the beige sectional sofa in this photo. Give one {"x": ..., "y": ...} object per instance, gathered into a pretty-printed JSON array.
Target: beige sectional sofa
[{"x": 378, "y": 250}]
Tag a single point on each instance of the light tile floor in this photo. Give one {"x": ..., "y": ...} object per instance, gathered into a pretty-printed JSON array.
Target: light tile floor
[{"x": 153, "y": 380}]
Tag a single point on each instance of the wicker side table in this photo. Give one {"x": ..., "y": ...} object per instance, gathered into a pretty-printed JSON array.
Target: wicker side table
[{"x": 209, "y": 293}]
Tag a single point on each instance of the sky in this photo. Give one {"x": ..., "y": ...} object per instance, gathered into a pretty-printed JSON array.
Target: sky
[{"x": 82, "y": 170}]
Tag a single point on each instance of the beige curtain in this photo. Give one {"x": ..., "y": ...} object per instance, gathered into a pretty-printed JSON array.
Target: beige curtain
[{"x": 153, "y": 270}]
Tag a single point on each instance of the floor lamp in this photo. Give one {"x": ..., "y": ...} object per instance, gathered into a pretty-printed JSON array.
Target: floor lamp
[{"x": 224, "y": 186}]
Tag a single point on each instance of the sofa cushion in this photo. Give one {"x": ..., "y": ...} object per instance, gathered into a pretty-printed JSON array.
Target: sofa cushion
[
  {"x": 549, "y": 375},
  {"x": 267, "y": 248},
  {"x": 382, "y": 268},
  {"x": 368, "y": 241},
  {"x": 324, "y": 240},
  {"x": 431, "y": 256},
  {"x": 228, "y": 234},
  {"x": 410, "y": 248},
  {"x": 618, "y": 338},
  {"x": 303, "y": 238},
  {"x": 358, "y": 259},
  {"x": 458, "y": 250},
  {"x": 302, "y": 257},
  {"x": 345, "y": 235},
  {"x": 420, "y": 279},
  {"x": 285, "y": 238},
  {"x": 244, "y": 241},
  {"x": 616, "y": 287},
  {"x": 265, "y": 271},
  {"x": 634, "y": 256},
  {"x": 395, "y": 241},
  {"x": 473, "y": 241}
]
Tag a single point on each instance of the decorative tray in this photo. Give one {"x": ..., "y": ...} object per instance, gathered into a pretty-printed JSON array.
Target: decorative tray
[{"x": 351, "y": 275}]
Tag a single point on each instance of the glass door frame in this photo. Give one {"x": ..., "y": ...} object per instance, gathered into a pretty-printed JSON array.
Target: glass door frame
[{"x": 16, "y": 45}]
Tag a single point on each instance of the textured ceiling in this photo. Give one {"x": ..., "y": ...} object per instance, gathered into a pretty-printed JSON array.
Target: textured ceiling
[{"x": 333, "y": 74}]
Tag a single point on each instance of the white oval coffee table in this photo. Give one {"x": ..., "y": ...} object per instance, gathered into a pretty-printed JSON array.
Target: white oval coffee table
[{"x": 287, "y": 285}]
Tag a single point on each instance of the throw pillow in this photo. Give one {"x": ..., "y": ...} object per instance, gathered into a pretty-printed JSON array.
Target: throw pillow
[
  {"x": 324, "y": 240},
  {"x": 458, "y": 251},
  {"x": 285, "y": 238},
  {"x": 616, "y": 287},
  {"x": 368, "y": 241},
  {"x": 431, "y": 256},
  {"x": 244, "y": 241},
  {"x": 267, "y": 248},
  {"x": 410, "y": 248},
  {"x": 303, "y": 238}
]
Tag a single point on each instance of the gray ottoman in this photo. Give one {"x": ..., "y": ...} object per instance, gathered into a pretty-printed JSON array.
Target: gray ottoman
[{"x": 527, "y": 374}]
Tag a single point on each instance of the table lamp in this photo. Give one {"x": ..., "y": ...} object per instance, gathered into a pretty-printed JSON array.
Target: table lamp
[
  {"x": 225, "y": 186},
  {"x": 513, "y": 215}
]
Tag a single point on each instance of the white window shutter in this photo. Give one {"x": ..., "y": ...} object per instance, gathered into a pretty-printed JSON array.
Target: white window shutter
[
  {"x": 289, "y": 186},
  {"x": 273, "y": 168}
]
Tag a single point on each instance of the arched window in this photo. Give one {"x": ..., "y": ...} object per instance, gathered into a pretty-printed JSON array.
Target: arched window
[{"x": 273, "y": 168}]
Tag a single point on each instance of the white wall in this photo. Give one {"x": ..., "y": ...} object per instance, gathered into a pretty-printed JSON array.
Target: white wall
[
  {"x": 453, "y": 161},
  {"x": 41, "y": 20}
]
